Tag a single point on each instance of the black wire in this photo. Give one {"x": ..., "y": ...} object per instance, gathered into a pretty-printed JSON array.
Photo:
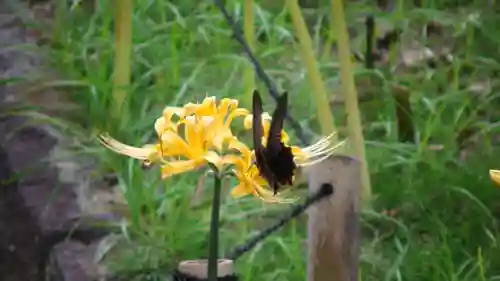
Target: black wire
[
  {"x": 260, "y": 70},
  {"x": 325, "y": 191}
]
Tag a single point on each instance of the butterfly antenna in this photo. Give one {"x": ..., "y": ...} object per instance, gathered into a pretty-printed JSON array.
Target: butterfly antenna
[{"x": 238, "y": 34}]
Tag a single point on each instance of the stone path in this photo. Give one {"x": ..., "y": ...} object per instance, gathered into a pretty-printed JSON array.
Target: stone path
[{"x": 37, "y": 209}]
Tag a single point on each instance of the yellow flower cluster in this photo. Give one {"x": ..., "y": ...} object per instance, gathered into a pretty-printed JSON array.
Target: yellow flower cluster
[{"x": 196, "y": 134}]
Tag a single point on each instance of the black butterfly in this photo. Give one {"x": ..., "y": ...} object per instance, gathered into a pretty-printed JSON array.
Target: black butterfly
[{"x": 275, "y": 160}]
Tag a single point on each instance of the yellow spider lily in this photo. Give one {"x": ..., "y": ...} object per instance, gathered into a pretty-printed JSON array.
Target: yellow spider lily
[
  {"x": 175, "y": 154},
  {"x": 205, "y": 126}
]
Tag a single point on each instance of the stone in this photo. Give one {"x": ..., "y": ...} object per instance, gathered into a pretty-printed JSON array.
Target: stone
[{"x": 40, "y": 202}]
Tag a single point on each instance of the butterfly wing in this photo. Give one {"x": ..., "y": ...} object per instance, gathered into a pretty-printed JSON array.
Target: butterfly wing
[
  {"x": 274, "y": 138},
  {"x": 279, "y": 156},
  {"x": 257, "y": 120},
  {"x": 260, "y": 157}
]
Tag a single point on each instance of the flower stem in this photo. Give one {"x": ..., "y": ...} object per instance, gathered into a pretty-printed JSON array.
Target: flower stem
[{"x": 213, "y": 251}]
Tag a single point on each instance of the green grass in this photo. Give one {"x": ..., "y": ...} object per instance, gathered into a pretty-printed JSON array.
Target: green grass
[{"x": 447, "y": 225}]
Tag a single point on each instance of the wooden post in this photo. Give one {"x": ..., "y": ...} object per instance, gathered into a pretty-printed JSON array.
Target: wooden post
[{"x": 333, "y": 227}]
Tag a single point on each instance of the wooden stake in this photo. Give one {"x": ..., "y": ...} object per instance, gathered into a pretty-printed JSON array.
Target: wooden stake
[{"x": 333, "y": 227}]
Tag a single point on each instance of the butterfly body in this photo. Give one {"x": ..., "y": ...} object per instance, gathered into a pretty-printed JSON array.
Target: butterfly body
[{"x": 275, "y": 160}]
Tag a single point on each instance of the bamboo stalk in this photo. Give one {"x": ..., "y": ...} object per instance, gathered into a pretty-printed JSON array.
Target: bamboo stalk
[
  {"x": 325, "y": 116},
  {"x": 122, "y": 57},
  {"x": 351, "y": 97}
]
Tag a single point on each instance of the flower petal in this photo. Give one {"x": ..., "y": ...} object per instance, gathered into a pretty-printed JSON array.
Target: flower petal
[
  {"x": 162, "y": 125},
  {"x": 191, "y": 108},
  {"x": 193, "y": 134},
  {"x": 237, "y": 161},
  {"x": 206, "y": 121},
  {"x": 174, "y": 145},
  {"x": 144, "y": 153},
  {"x": 227, "y": 105},
  {"x": 247, "y": 122},
  {"x": 241, "y": 190},
  {"x": 245, "y": 152},
  {"x": 236, "y": 113},
  {"x": 170, "y": 111},
  {"x": 317, "y": 152},
  {"x": 299, "y": 154},
  {"x": 178, "y": 167},
  {"x": 214, "y": 158},
  {"x": 208, "y": 107},
  {"x": 267, "y": 195},
  {"x": 284, "y": 137}
]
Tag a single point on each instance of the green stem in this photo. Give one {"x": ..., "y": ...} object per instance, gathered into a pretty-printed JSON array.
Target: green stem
[{"x": 213, "y": 251}]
